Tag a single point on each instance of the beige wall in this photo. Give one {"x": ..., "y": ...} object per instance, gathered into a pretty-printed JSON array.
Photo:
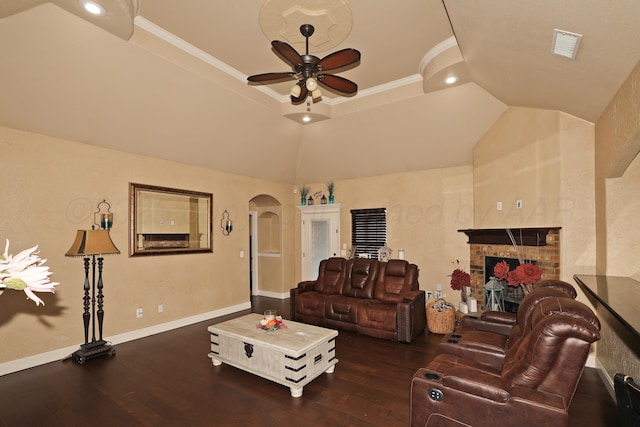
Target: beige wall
[
  {"x": 545, "y": 159},
  {"x": 425, "y": 210},
  {"x": 51, "y": 188},
  {"x": 617, "y": 182}
]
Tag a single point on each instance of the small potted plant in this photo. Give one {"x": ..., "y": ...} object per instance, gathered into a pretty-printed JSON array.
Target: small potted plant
[
  {"x": 330, "y": 188},
  {"x": 304, "y": 191}
]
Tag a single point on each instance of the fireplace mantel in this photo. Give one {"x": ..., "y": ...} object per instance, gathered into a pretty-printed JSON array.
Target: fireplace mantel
[{"x": 531, "y": 236}]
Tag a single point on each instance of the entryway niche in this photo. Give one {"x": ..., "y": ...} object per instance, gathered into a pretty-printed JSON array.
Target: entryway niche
[{"x": 265, "y": 243}]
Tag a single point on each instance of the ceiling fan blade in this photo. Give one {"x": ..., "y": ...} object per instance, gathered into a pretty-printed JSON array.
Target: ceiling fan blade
[
  {"x": 338, "y": 83},
  {"x": 288, "y": 53},
  {"x": 339, "y": 59},
  {"x": 303, "y": 95},
  {"x": 259, "y": 78}
]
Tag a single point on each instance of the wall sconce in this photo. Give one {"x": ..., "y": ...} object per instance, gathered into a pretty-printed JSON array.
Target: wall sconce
[
  {"x": 103, "y": 217},
  {"x": 226, "y": 224}
]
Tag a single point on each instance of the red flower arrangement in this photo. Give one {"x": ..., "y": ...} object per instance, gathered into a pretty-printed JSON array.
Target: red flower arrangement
[
  {"x": 460, "y": 279},
  {"x": 524, "y": 275}
]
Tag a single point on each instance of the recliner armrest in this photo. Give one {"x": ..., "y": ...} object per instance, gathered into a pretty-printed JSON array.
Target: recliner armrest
[
  {"x": 502, "y": 317},
  {"x": 479, "y": 383},
  {"x": 482, "y": 325}
]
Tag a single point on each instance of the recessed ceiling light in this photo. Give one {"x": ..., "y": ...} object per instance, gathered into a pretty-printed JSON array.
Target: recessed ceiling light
[
  {"x": 306, "y": 119},
  {"x": 451, "y": 80},
  {"x": 93, "y": 7}
]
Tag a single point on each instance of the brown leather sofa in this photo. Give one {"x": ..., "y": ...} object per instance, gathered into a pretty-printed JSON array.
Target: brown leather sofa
[
  {"x": 534, "y": 385},
  {"x": 378, "y": 299}
]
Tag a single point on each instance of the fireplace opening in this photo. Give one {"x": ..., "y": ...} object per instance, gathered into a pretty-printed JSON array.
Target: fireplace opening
[{"x": 512, "y": 294}]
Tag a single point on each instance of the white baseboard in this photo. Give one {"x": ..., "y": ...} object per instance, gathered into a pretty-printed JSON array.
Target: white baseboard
[
  {"x": 608, "y": 381},
  {"x": 63, "y": 353},
  {"x": 270, "y": 294},
  {"x": 592, "y": 362}
]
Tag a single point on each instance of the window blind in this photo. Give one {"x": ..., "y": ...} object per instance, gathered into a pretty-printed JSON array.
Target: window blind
[{"x": 368, "y": 230}]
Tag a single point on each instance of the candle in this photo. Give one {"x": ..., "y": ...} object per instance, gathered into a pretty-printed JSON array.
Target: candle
[{"x": 106, "y": 220}]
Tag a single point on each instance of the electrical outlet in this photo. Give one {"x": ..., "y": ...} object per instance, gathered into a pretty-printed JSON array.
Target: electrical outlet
[
  {"x": 518, "y": 204},
  {"x": 160, "y": 308},
  {"x": 499, "y": 206},
  {"x": 139, "y": 313},
  {"x": 428, "y": 295}
]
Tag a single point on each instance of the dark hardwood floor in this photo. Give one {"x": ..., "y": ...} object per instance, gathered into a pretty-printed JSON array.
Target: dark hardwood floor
[{"x": 168, "y": 380}]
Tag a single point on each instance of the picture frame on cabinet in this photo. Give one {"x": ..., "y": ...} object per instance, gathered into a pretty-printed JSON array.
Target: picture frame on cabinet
[{"x": 169, "y": 221}]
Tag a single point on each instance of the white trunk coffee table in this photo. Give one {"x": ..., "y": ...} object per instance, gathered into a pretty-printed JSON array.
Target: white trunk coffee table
[{"x": 291, "y": 356}]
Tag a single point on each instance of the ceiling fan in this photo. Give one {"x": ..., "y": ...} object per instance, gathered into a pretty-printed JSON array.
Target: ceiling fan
[{"x": 309, "y": 69}]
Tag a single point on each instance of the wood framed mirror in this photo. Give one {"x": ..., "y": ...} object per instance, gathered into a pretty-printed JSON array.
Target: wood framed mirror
[{"x": 168, "y": 221}]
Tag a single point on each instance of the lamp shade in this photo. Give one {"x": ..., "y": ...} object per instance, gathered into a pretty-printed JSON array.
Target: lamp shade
[{"x": 92, "y": 242}]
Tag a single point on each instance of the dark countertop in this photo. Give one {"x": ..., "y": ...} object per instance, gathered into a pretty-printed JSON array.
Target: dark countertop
[{"x": 619, "y": 295}]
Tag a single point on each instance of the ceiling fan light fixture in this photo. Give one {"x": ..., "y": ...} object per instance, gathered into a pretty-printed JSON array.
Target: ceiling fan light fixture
[
  {"x": 295, "y": 91},
  {"x": 316, "y": 94},
  {"x": 312, "y": 84}
]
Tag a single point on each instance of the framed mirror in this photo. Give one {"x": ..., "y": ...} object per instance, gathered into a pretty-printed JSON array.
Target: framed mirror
[{"x": 168, "y": 221}]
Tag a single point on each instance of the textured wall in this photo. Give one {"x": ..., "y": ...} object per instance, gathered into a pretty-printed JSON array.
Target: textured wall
[
  {"x": 425, "y": 210},
  {"x": 617, "y": 183},
  {"x": 51, "y": 188}
]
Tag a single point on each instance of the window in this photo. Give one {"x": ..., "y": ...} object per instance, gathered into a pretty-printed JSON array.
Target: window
[{"x": 368, "y": 231}]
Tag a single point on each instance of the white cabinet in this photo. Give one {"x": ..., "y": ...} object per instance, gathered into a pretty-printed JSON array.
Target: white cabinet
[{"x": 320, "y": 236}]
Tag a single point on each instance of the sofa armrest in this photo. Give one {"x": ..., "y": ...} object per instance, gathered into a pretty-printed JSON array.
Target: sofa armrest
[
  {"x": 305, "y": 286},
  {"x": 302, "y": 287},
  {"x": 411, "y": 316}
]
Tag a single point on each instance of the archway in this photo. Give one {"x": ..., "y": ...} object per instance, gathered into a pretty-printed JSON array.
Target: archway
[{"x": 265, "y": 243}]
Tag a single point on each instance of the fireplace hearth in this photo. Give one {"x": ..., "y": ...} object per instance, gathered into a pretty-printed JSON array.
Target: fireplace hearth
[{"x": 487, "y": 247}]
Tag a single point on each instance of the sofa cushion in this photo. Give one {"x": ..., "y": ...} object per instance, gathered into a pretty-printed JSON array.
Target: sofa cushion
[
  {"x": 378, "y": 315},
  {"x": 310, "y": 304},
  {"x": 360, "y": 278}
]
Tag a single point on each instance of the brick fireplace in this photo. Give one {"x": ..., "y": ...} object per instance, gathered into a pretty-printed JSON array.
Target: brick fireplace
[{"x": 539, "y": 245}]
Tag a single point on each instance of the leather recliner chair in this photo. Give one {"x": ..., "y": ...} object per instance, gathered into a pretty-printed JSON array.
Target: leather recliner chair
[
  {"x": 481, "y": 343},
  {"x": 501, "y": 322},
  {"x": 534, "y": 386}
]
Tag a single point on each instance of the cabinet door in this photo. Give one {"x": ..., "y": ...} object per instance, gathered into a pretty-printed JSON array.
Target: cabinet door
[{"x": 320, "y": 240}]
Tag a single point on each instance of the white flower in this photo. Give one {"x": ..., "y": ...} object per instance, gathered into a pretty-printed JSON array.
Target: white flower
[{"x": 25, "y": 272}]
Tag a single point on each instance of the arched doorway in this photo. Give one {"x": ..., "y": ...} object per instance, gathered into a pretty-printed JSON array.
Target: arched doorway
[{"x": 265, "y": 243}]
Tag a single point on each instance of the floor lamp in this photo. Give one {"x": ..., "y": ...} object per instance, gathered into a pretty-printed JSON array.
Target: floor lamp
[{"x": 92, "y": 245}]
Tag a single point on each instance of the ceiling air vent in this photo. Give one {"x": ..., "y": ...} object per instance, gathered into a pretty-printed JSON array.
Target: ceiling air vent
[{"x": 565, "y": 43}]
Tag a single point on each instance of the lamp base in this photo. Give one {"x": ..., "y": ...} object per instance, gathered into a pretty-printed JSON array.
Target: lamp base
[{"x": 92, "y": 350}]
